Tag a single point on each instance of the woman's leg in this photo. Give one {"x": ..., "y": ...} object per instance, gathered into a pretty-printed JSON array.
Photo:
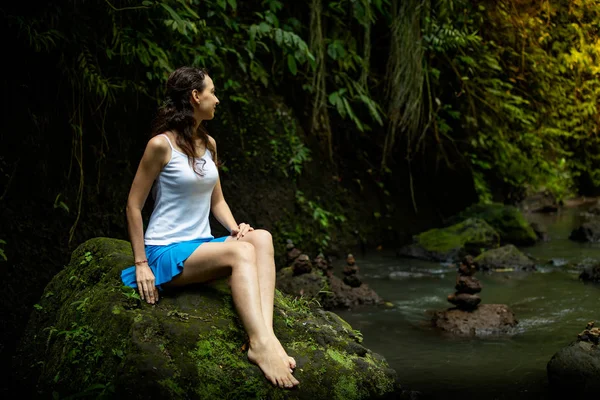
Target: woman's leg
[
  {"x": 265, "y": 262},
  {"x": 215, "y": 260}
]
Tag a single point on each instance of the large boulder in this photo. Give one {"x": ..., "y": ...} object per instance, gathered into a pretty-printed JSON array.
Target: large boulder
[
  {"x": 508, "y": 221},
  {"x": 574, "y": 371},
  {"x": 485, "y": 320},
  {"x": 454, "y": 242},
  {"x": 310, "y": 285},
  {"x": 342, "y": 295},
  {"x": 505, "y": 257},
  {"x": 589, "y": 231},
  {"x": 330, "y": 291},
  {"x": 591, "y": 273},
  {"x": 540, "y": 202},
  {"x": 91, "y": 336}
]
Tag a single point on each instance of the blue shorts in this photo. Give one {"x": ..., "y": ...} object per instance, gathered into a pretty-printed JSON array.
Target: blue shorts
[{"x": 166, "y": 261}]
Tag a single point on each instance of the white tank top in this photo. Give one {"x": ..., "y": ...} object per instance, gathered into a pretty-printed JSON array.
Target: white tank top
[{"x": 182, "y": 200}]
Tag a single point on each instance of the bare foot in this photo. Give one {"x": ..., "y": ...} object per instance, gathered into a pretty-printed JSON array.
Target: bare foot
[
  {"x": 266, "y": 356},
  {"x": 283, "y": 354}
]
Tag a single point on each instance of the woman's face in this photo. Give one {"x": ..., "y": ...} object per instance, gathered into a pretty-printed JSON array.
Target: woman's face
[{"x": 206, "y": 102}]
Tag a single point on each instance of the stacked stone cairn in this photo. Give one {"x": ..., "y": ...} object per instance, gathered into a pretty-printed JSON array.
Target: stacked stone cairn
[
  {"x": 590, "y": 334},
  {"x": 323, "y": 264},
  {"x": 292, "y": 251},
  {"x": 467, "y": 286},
  {"x": 351, "y": 277}
]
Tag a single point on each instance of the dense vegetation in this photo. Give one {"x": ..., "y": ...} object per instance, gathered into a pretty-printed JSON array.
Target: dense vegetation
[{"x": 385, "y": 95}]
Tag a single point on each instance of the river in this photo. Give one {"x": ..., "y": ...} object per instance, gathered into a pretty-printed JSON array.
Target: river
[{"x": 551, "y": 305}]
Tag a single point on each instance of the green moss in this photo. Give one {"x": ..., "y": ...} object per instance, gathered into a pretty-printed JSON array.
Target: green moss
[
  {"x": 472, "y": 232},
  {"x": 173, "y": 388},
  {"x": 507, "y": 220},
  {"x": 346, "y": 388},
  {"x": 343, "y": 359},
  {"x": 191, "y": 344}
]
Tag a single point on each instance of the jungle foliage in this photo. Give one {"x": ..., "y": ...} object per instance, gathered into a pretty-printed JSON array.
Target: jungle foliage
[{"x": 511, "y": 86}]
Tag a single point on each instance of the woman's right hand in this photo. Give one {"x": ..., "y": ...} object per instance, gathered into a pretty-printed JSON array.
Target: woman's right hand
[{"x": 145, "y": 281}]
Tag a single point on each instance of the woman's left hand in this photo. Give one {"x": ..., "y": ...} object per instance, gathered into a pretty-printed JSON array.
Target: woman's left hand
[{"x": 241, "y": 230}]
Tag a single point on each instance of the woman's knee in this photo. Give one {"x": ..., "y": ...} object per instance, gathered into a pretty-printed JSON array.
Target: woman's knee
[
  {"x": 243, "y": 253},
  {"x": 261, "y": 239}
]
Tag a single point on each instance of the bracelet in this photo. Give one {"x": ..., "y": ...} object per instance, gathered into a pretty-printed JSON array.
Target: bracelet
[{"x": 140, "y": 262}]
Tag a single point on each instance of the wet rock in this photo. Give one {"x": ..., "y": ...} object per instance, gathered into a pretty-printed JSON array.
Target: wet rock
[
  {"x": 344, "y": 296},
  {"x": 89, "y": 331},
  {"x": 468, "y": 284},
  {"x": 508, "y": 221},
  {"x": 486, "y": 319},
  {"x": 574, "y": 371},
  {"x": 588, "y": 231},
  {"x": 590, "y": 334},
  {"x": 301, "y": 265},
  {"x": 321, "y": 263},
  {"x": 352, "y": 280},
  {"x": 468, "y": 266},
  {"x": 454, "y": 242},
  {"x": 542, "y": 202},
  {"x": 307, "y": 285},
  {"x": 350, "y": 270},
  {"x": 540, "y": 232},
  {"x": 506, "y": 257},
  {"x": 464, "y": 301},
  {"x": 591, "y": 274}
]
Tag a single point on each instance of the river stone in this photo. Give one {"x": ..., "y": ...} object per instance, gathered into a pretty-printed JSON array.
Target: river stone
[
  {"x": 90, "y": 336},
  {"x": 486, "y": 319},
  {"x": 467, "y": 284},
  {"x": 541, "y": 202},
  {"x": 588, "y": 231},
  {"x": 506, "y": 257},
  {"x": 454, "y": 242},
  {"x": 464, "y": 301},
  {"x": 591, "y": 274},
  {"x": 575, "y": 370},
  {"x": 340, "y": 295},
  {"x": 308, "y": 285},
  {"x": 508, "y": 221}
]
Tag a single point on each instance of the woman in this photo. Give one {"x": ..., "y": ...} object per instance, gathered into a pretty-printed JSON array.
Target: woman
[{"x": 177, "y": 248}]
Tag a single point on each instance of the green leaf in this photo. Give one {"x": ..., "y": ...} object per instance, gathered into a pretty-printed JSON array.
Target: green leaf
[{"x": 292, "y": 64}]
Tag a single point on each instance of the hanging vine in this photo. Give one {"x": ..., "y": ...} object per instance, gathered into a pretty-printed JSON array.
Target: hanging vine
[{"x": 320, "y": 123}]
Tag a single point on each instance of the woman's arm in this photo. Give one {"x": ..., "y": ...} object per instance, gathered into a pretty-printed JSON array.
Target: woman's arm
[{"x": 153, "y": 160}]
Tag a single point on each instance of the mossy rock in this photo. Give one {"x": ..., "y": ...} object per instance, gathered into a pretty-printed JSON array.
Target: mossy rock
[
  {"x": 471, "y": 236},
  {"x": 574, "y": 371},
  {"x": 506, "y": 257},
  {"x": 90, "y": 336},
  {"x": 508, "y": 221}
]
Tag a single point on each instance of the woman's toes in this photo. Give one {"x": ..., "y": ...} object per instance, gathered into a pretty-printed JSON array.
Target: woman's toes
[{"x": 295, "y": 381}]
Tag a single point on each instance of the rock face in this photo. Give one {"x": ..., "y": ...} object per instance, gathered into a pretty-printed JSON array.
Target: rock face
[
  {"x": 506, "y": 257},
  {"x": 541, "y": 202},
  {"x": 591, "y": 274},
  {"x": 574, "y": 371},
  {"x": 486, "y": 319},
  {"x": 91, "y": 336},
  {"x": 454, "y": 242},
  {"x": 588, "y": 232},
  {"x": 506, "y": 220}
]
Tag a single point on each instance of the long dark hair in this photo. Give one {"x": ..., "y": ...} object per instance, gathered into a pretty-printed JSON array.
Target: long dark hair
[{"x": 177, "y": 113}]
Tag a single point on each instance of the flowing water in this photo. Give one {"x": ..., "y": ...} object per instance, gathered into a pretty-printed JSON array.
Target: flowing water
[{"x": 551, "y": 305}]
